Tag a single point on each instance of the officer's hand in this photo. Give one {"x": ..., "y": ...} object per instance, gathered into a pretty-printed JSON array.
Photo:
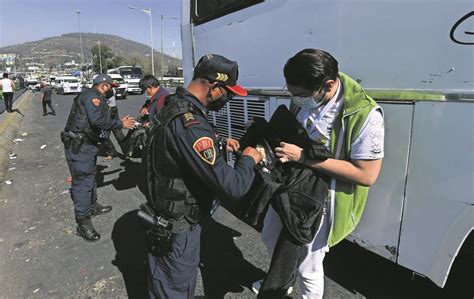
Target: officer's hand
[
  {"x": 232, "y": 145},
  {"x": 289, "y": 152},
  {"x": 128, "y": 122},
  {"x": 255, "y": 154},
  {"x": 143, "y": 111}
]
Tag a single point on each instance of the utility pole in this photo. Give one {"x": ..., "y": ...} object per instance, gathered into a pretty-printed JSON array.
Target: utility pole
[{"x": 80, "y": 39}]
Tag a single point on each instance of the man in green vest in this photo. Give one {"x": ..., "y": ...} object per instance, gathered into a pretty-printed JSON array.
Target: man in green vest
[{"x": 336, "y": 112}]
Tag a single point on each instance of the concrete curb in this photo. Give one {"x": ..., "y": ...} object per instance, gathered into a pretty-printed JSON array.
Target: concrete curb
[{"x": 9, "y": 129}]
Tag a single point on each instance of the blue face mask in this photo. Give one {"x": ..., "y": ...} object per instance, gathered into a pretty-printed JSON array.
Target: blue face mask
[{"x": 147, "y": 96}]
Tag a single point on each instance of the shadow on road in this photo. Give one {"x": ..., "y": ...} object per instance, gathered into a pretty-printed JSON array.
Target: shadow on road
[
  {"x": 366, "y": 273},
  {"x": 131, "y": 176},
  {"x": 128, "y": 236},
  {"x": 223, "y": 267}
]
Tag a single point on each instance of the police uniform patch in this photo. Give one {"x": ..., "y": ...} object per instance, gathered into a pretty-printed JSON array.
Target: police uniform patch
[
  {"x": 205, "y": 149},
  {"x": 188, "y": 119},
  {"x": 95, "y": 102}
]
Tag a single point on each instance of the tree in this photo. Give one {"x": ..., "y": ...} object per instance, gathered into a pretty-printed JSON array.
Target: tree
[{"x": 105, "y": 56}]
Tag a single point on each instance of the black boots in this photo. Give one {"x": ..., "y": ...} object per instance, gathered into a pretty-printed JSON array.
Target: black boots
[
  {"x": 98, "y": 209},
  {"x": 86, "y": 230}
]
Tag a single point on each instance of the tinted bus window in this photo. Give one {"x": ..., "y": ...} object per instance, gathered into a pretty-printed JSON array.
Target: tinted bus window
[{"x": 207, "y": 10}]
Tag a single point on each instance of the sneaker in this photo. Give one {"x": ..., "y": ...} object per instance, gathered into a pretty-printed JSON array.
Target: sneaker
[{"x": 258, "y": 284}]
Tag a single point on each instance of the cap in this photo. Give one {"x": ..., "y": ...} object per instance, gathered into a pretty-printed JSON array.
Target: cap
[
  {"x": 217, "y": 68},
  {"x": 102, "y": 78}
]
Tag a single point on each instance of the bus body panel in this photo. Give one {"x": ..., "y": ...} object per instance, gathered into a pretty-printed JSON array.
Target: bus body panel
[{"x": 403, "y": 51}]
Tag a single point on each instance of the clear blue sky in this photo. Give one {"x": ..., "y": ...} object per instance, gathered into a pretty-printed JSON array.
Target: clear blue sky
[{"x": 30, "y": 20}]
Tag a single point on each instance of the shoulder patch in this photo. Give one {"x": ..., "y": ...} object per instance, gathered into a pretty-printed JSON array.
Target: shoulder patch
[
  {"x": 95, "y": 102},
  {"x": 188, "y": 120},
  {"x": 205, "y": 149}
]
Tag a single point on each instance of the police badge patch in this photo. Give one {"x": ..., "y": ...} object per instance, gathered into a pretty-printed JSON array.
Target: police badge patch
[
  {"x": 204, "y": 147},
  {"x": 95, "y": 102}
]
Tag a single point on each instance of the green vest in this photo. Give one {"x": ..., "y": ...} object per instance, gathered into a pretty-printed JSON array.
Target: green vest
[{"x": 349, "y": 198}]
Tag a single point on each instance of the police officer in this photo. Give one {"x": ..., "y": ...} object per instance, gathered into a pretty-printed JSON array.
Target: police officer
[
  {"x": 89, "y": 122},
  {"x": 188, "y": 172}
]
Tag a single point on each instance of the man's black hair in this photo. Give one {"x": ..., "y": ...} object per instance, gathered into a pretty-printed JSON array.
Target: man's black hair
[
  {"x": 310, "y": 69},
  {"x": 5, "y": 75},
  {"x": 147, "y": 81}
]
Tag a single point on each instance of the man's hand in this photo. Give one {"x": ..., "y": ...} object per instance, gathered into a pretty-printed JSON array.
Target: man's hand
[
  {"x": 255, "y": 154},
  {"x": 128, "y": 122},
  {"x": 143, "y": 111},
  {"x": 232, "y": 145},
  {"x": 287, "y": 152}
]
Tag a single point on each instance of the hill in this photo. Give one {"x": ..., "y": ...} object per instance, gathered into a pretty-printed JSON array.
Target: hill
[{"x": 57, "y": 50}]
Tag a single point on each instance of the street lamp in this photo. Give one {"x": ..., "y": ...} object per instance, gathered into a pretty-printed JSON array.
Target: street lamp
[
  {"x": 161, "y": 37},
  {"x": 148, "y": 11},
  {"x": 80, "y": 38}
]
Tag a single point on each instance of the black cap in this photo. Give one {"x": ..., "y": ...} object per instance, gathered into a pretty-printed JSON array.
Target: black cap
[
  {"x": 102, "y": 78},
  {"x": 217, "y": 68}
]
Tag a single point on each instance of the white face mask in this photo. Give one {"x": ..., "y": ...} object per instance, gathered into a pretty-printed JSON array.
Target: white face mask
[{"x": 309, "y": 102}]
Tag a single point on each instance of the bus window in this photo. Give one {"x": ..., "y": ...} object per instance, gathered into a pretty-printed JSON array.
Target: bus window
[{"x": 207, "y": 10}]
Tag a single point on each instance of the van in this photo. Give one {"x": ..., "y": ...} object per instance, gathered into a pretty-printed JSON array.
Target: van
[
  {"x": 417, "y": 65},
  {"x": 67, "y": 85},
  {"x": 122, "y": 90}
]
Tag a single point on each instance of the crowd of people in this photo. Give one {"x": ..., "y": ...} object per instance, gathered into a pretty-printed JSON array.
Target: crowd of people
[{"x": 186, "y": 170}]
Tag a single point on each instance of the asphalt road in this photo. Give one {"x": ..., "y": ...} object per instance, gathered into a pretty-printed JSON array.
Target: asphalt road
[{"x": 40, "y": 255}]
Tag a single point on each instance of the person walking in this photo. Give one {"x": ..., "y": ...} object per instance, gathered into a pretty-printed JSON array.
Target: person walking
[
  {"x": 46, "y": 98},
  {"x": 8, "y": 87}
]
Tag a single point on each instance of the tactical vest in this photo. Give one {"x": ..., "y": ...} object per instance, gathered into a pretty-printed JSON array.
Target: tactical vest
[
  {"x": 78, "y": 122},
  {"x": 167, "y": 194}
]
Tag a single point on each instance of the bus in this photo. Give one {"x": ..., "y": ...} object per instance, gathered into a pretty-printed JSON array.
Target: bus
[
  {"x": 131, "y": 75},
  {"x": 417, "y": 65}
]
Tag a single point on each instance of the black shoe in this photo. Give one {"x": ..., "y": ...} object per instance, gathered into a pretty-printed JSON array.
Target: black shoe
[
  {"x": 86, "y": 230},
  {"x": 54, "y": 114},
  {"x": 44, "y": 114},
  {"x": 98, "y": 209}
]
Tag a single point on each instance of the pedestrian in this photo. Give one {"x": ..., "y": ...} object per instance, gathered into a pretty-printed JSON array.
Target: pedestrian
[
  {"x": 110, "y": 150},
  {"x": 337, "y": 113},
  {"x": 89, "y": 122},
  {"x": 8, "y": 87},
  {"x": 46, "y": 98},
  {"x": 187, "y": 171},
  {"x": 155, "y": 97}
]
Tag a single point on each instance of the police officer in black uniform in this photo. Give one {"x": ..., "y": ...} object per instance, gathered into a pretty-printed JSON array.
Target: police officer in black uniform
[
  {"x": 89, "y": 122},
  {"x": 186, "y": 172}
]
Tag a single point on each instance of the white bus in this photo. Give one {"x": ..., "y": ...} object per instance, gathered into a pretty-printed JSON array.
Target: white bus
[{"x": 416, "y": 58}]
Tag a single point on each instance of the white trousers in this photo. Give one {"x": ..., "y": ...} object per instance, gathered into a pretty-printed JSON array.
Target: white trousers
[{"x": 310, "y": 272}]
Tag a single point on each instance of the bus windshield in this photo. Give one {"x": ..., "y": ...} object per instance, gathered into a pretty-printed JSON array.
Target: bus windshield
[{"x": 131, "y": 73}]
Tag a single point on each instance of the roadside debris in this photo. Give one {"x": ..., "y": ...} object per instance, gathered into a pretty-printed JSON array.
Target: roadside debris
[
  {"x": 13, "y": 156},
  {"x": 23, "y": 134},
  {"x": 17, "y": 140},
  {"x": 65, "y": 192},
  {"x": 11, "y": 168},
  {"x": 8, "y": 182},
  {"x": 43, "y": 146}
]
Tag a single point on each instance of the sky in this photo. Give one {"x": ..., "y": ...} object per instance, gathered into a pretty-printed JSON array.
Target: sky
[{"x": 30, "y": 20}]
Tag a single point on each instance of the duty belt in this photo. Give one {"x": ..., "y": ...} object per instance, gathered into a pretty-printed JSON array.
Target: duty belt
[
  {"x": 179, "y": 207},
  {"x": 173, "y": 225}
]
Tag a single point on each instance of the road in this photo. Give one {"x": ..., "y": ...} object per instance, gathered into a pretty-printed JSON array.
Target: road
[{"x": 40, "y": 255}]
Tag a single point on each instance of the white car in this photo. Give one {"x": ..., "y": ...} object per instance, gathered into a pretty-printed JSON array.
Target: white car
[{"x": 68, "y": 84}]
